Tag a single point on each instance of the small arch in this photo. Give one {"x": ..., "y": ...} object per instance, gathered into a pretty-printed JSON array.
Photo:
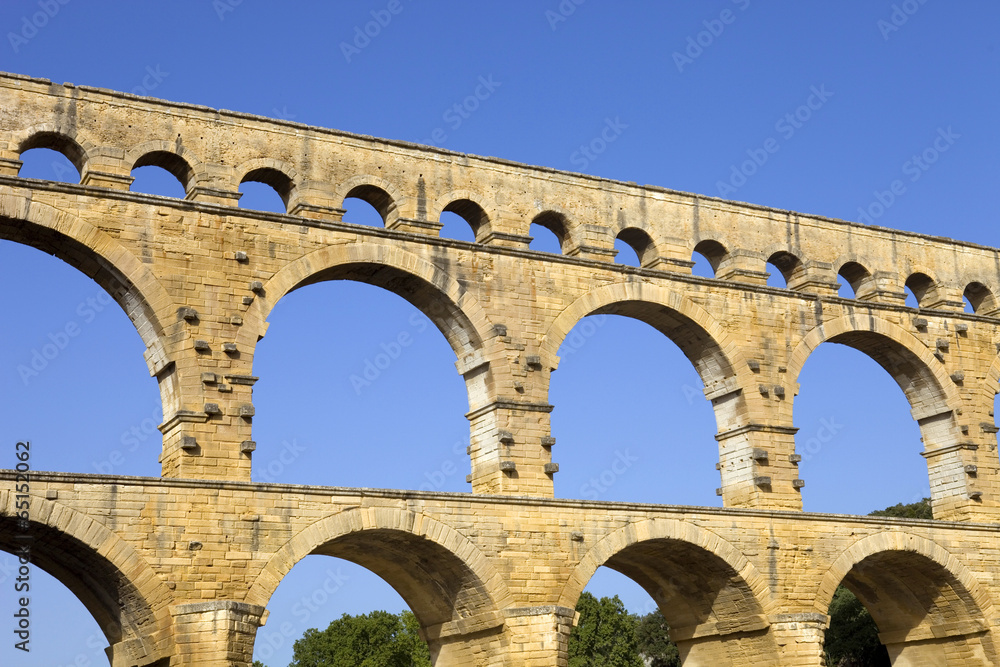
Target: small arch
[
  {"x": 639, "y": 241},
  {"x": 860, "y": 279},
  {"x": 168, "y": 161},
  {"x": 980, "y": 298},
  {"x": 472, "y": 213},
  {"x": 919, "y": 285},
  {"x": 277, "y": 180},
  {"x": 554, "y": 222},
  {"x": 376, "y": 193},
  {"x": 789, "y": 267},
  {"x": 60, "y": 143},
  {"x": 713, "y": 252}
]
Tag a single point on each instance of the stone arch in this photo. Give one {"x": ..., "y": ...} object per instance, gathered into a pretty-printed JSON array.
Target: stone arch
[
  {"x": 925, "y": 601},
  {"x": 892, "y": 348},
  {"x": 559, "y": 222},
  {"x": 276, "y": 173},
  {"x": 65, "y": 140},
  {"x": 116, "y": 585},
  {"x": 120, "y": 273},
  {"x": 451, "y": 586},
  {"x": 482, "y": 219},
  {"x": 380, "y": 193},
  {"x": 714, "y": 599},
  {"x": 438, "y": 295},
  {"x": 641, "y": 241},
  {"x": 702, "y": 339},
  {"x": 172, "y": 156}
]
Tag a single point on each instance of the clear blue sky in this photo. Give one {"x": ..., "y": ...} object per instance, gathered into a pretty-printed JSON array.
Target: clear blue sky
[{"x": 557, "y": 78}]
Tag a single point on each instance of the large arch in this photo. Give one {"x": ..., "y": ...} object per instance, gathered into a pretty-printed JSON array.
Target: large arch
[
  {"x": 714, "y": 599},
  {"x": 449, "y": 584},
  {"x": 117, "y": 586},
  {"x": 931, "y": 393},
  {"x": 455, "y": 312},
  {"x": 701, "y": 338},
  {"x": 928, "y": 606},
  {"x": 95, "y": 253}
]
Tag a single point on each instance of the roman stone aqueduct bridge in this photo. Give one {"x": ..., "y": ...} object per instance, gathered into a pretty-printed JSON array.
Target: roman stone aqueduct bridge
[{"x": 493, "y": 575}]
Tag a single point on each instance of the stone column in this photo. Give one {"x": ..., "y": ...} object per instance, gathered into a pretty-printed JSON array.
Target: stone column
[
  {"x": 800, "y": 639},
  {"x": 217, "y": 633},
  {"x": 539, "y": 636}
]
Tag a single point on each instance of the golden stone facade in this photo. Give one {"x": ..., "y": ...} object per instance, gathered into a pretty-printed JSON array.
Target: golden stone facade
[{"x": 493, "y": 575}]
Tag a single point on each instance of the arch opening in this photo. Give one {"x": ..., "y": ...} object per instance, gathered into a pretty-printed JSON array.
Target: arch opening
[
  {"x": 788, "y": 269},
  {"x": 549, "y": 232},
  {"x": 461, "y": 217},
  {"x": 639, "y": 244},
  {"x": 375, "y": 198},
  {"x": 154, "y": 181},
  {"x": 848, "y": 411},
  {"x": 704, "y": 589},
  {"x": 979, "y": 299},
  {"x": 924, "y": 613},
  {"x": 266, "y": 189},
  {"x": 456, "y": 604},
  {"x": 57, "y": 143},
  {"x": 125, "y": 618},
  {"x": 708, "y": 255},
  {"x": 48, "y": 164},
  {"x": 388, "y": 383},
  {"x": 857, "y": 281},
  {"x": 611, "y": 404},
  {"x": 918, "y": 286},
  {"x": 77, "y": 343}
]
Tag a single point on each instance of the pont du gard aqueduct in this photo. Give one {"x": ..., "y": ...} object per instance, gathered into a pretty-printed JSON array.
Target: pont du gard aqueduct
[{"x": 178, "y": 569}]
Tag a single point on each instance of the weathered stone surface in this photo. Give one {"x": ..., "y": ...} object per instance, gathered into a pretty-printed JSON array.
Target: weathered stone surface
[{"x": 749, "y": 584}]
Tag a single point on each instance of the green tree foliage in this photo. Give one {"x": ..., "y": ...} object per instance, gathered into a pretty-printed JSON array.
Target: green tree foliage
[
  {"x": 852, "y": 639},
  {"x": 378, "y": 639},
  {"x": 605, "y": 635},
  {"x": 655, "y": 646},
  {"x": 920, "y": 510},
  {"x": 258, "y": 663}
]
